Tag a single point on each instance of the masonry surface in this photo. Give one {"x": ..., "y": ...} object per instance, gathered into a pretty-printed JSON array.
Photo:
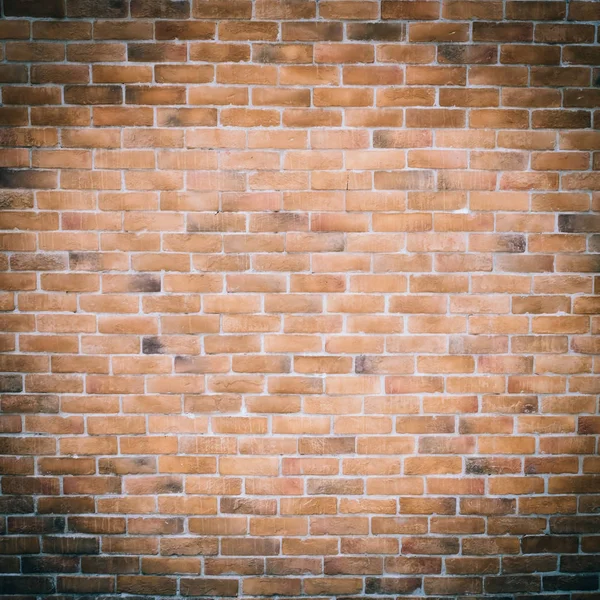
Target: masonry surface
[{"x": 299, "y": 299}]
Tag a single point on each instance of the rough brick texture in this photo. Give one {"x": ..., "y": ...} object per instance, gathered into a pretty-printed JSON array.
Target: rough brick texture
[{"x": 299, "y": 298}]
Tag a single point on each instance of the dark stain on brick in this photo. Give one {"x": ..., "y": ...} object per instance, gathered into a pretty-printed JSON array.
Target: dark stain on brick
[
  {"x": 93, "y": 94},
  {"x": 577, "y": 524},
  {"x": 381, "y": 32},
  {"x": 87, "y": 261},
  {"x": 372, "y": 586},
  {"x": 160, "y": 9},
  {"x": 266, "y": 54},
  {"x": 592, "y": 264},
  {"x": 45, "y": 9},
  {"x": 12, "y": 116},
  {"x": 171, "y": 486},
  {"x": 19, "y": 584},
  {"x": 50, "y": 564},
  {"x": 539, "y": 544},
  {"x": 383, "y": 139},
  {"x": 16, "y": 505},
  {"x": 478, "y": 466},
  {"x": 173, "y": 120},
  {"x": 36, "y": 524},
  {"x": 452, "y": 54},
  {"x": 564, "y": 583},
  {"x": 360, "y": 364},
  {"x": 38, "y": 261},
  {"x": 11, "y": 383},
  {"x": 149, "y": 52},
  {"x": 515, "y": 243},
  {"x": 186, "y": 364},
  {"x": 215, "y": 588},
  {"x": 71, "y": 545},
  {"x": 40, "y": 486},
  {"x": 13, "y": 73},
  {"x": 392, "y": 585},
  {"x": 142, "y": 52},
  {"x": 109, "y": 564},
  {"x": 572, "y": 223},
  {"x": 338, "y": 245},
  {"x": 287, "y": 222},
  {"x": 144, "y": 283},
  {"x": 580, "y": 564},
  {"x": 151, "y": 345},
  {"x": 25, "y": 178},
  {"x": 514, "y": 583},
  {"x": 101, "y": 9},
  {"x": 530, "y": 468},
  {"x": 464, "y": 54},
  {"x": 127, "y": 466}
]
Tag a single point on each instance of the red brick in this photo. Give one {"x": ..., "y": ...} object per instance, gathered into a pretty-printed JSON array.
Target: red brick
[{"x": 299, "y": 283}]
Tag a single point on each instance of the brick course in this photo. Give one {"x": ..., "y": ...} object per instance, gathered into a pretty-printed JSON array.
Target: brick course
[{"x": 299, "y": 298}]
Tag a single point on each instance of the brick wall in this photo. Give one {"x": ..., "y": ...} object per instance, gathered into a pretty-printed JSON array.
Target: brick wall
[{"x": 299, "y": 298}]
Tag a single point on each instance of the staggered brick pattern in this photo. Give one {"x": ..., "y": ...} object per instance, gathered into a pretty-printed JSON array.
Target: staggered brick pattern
[{"x": 299, "y": 298}]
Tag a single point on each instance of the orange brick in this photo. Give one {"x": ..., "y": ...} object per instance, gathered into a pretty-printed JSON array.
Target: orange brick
[{"x": 294, "y": 274}]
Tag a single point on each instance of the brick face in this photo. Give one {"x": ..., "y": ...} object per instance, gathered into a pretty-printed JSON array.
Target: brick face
[{"x": 299, "y": 298}]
